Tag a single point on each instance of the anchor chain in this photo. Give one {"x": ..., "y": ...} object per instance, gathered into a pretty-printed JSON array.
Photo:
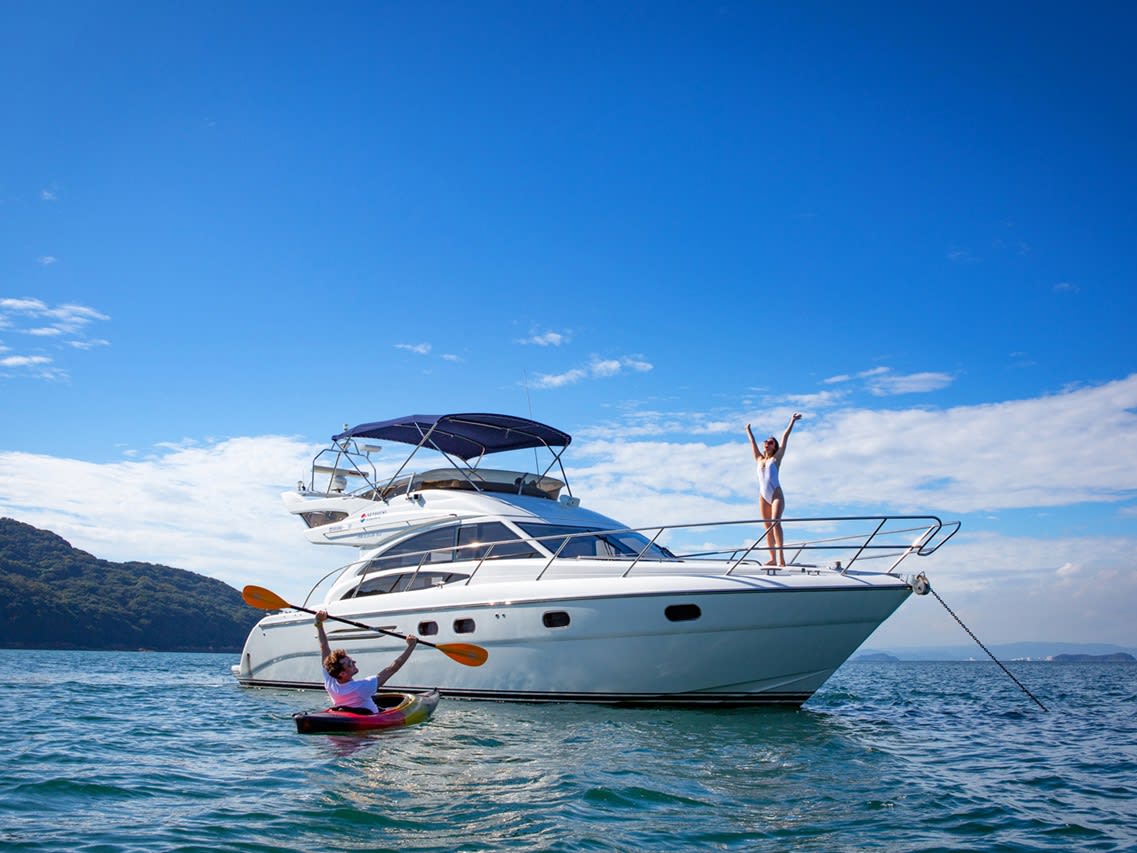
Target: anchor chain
[{"x": 980, "y": 644}]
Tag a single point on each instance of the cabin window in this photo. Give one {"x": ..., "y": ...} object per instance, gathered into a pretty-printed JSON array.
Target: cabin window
[
  {"x": 682, "y": 612},
  {"x": 463, "y": 626},
  {"x": 555, "y": 619},
  {"x": 376, "y": 586},
  {"x": 438, "y": 546},
  {"x": 589, "y": 542},
  {"x": 404, "y": 582},
  {"x": 427, "y": 629},
  {"x": 477, "y": 539},
  {"x": 433, "y": 546},
  {"x": 319, "y": 519}
]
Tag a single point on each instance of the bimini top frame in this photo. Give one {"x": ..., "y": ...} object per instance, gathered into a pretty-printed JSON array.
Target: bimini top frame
[{"x": 464, "y": 436}]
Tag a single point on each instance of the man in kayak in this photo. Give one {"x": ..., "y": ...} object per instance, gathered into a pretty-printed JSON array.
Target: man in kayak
[{"x": 340, "y": 670}]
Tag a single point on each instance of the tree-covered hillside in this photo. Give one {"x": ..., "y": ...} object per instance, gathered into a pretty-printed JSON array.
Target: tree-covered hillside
[{"x": 55, "y": 596}]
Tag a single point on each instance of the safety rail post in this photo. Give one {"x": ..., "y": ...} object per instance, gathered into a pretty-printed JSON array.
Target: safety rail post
[
  {"x": 545, "y": 568},
  {"x": 745, "y": 554},
  {"x": 917, "y": 545},
  {"x": 884, "y": 520},
  {"x": 643, "y": 550},
  {"x": 481, "y": 562}
]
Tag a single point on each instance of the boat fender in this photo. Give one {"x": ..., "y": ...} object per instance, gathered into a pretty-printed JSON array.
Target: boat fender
[{"x": 920, "y": 584}]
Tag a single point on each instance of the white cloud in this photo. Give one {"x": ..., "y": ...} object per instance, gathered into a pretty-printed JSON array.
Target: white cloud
[
  {"x": 46, "y": 260},
  {"x": 558, "y": 380},
  {"x": 68, "y": 318},
  {"x": 212, "y": 509},
  {"x": 546, "y": 339},
  {"x": 24, "y": 360},
  {"x": 1013, "y": 588},
  {"x": 1066, "y": 287},
  {"x": 25, "y": 305},
  {"x": 605, "y": 367},
  {"x": 598, "y": 368},
  {"x": 216, "y": 509},
  {"x": 417, "y": 349},
  {"x": 47, "y": 195},
  {"x": 962, "y": 459},
  {"x": 889, "y": 384},
  {"x": 65, "y": 323},
  {"x": 882, "y": 382},
  {"x": 875, "y": 371},
  {"x": 820, "y": 400}
]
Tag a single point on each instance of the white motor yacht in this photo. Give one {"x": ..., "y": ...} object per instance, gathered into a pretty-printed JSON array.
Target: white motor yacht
[{"x": 568, "y": 604}]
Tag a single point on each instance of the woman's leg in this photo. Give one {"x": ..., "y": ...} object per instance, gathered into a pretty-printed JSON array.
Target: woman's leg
[
  {"x": 768, "y": 513},
  {"x": 777, "y": 507}
]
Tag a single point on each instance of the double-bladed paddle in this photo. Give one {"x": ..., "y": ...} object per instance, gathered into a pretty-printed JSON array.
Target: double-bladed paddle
[{"x": 464, "y": 653}]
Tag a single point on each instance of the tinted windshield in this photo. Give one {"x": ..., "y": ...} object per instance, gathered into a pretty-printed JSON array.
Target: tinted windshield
[{"x": 589, "y": 542}]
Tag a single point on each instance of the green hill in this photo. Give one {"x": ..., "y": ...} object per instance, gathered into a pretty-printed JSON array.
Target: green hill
[{"x": 53, "y": 596}]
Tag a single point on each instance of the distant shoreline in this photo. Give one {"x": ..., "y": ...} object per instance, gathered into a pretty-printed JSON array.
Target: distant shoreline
[
  {"x": 10, "y": 647},
  {"x": 884, "y": 657}
]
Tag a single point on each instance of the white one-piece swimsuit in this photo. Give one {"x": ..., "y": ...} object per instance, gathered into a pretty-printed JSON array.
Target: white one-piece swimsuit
[{"x": 768, "y": 480}]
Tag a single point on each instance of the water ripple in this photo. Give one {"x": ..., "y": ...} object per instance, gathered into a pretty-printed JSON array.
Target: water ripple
[{"x": 163, "y": 752}]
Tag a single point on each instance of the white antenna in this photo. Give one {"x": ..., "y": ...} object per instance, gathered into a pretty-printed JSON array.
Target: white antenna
[{"x": 529, "y": 400}]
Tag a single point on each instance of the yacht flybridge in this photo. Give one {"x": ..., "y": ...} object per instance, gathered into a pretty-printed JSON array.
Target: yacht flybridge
[{"x": 569, "y": 604}]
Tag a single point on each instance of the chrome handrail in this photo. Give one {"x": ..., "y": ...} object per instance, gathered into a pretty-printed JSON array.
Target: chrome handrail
[{"x": 932, "y": 533}]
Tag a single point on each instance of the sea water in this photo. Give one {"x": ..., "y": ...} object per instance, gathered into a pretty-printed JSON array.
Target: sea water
[{"x": 155, "y": 752}]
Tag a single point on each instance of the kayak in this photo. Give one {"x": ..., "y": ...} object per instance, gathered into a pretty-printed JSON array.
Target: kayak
[{"x": 395, "y": 709}]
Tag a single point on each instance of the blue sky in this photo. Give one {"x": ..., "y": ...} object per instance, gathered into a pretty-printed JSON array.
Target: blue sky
[{"x": 228, "y": 229}]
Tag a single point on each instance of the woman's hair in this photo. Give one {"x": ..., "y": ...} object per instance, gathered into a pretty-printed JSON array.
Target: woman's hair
[{"x": 333, "y": 663}]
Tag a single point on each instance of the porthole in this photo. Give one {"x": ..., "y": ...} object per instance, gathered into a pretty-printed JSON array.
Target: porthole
[
  {"x": 682, "y": 612},
  {"x": 427, "y": 629},
  {"x": 555, "y": 619},
  {"x": 463, "y": 626}
]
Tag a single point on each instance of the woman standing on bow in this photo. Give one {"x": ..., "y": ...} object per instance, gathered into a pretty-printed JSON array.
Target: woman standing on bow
[{"x": 770, "y": 497}]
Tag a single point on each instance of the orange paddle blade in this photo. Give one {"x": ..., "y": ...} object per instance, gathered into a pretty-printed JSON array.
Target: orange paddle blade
[
  {"x": 466, "y": 653},
  {"x": 263, "y": 599}
]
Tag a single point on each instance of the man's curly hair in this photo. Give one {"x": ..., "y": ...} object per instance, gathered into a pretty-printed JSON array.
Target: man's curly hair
[{"x": 333, "y": 663}]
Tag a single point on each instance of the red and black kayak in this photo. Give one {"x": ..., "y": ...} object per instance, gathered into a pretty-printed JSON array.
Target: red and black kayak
[{"x": 395, "y": 709}]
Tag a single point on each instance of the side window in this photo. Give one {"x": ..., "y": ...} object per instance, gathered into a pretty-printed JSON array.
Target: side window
[
  {"x": 319, "y": 519},
  {"x": 380, "y": 586},
  {"x": 632, "y": 543},
  {"x": 463, "y": 626},
  {"x": 425, "y": 580},
  {"x": 580, "y": 545},
  {"x": 404, "y": 582},
  {"x": 587, "y": 543},
  {"x": 438, "y": 544},
  {"x": 427, "y": 629},
  {"x": 478, "y": 536}
]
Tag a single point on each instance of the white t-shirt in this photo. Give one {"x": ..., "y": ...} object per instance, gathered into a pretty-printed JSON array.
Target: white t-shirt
[{"x": 356, "y": 693}]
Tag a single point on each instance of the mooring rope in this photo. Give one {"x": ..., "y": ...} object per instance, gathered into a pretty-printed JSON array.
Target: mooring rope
[{"x": 980, "y": 644}]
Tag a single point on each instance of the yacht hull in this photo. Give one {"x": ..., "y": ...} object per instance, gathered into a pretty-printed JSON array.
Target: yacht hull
[
  {"x": 728, "y": 641},
  {"x": 569, "y": 604}
]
